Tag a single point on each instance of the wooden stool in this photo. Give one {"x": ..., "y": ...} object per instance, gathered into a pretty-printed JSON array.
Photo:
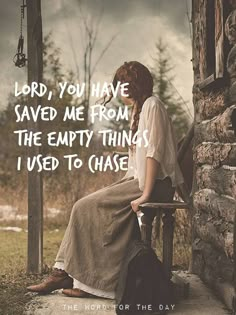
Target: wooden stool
[{"x": 149, "y": 211}]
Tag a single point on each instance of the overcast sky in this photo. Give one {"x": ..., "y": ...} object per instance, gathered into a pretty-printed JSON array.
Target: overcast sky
[{"x": 137, "y": 23}]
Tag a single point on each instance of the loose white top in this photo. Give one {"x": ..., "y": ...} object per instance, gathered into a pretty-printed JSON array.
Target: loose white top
[{"x": 162, "y": 145}]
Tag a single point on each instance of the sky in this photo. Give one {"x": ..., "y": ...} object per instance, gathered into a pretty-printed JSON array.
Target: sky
[{"x": 136, "y": 24}]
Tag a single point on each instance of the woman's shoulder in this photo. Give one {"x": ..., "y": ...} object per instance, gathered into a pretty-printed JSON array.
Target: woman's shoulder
[{"x": 152, "y": 103}]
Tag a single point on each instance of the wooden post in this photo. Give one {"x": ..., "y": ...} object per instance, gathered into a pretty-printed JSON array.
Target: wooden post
[
  {"x": 146, "y": 227},
  {"x": 35, "y": 200},
  {"x": 168, "y": 237}
]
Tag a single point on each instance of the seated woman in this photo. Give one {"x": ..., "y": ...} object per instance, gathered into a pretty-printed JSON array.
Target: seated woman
[{"x": 103, "y": 223}]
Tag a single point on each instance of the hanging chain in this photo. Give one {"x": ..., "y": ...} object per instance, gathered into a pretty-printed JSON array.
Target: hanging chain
[
  {"x": 19, "y": 58},
  {"x": 22, "y": 17}
]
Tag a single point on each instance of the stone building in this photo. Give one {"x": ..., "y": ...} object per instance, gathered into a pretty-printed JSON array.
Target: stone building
[{"x": 214, "y": 149}]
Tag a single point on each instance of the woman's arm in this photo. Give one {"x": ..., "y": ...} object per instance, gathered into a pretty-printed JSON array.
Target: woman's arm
[
  {"x": 157, "y": 121},
  {"x": 151, "y": 172}
]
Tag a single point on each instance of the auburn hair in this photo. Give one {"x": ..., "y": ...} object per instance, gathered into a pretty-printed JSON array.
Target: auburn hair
[{"x": 140, "y": 86}]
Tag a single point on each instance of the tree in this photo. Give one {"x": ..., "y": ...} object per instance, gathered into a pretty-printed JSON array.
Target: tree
[
  {"x": 89, "y": 39},
  {"x": 164, "y": 88}
]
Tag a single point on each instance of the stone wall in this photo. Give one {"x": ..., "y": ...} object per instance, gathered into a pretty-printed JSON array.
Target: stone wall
[{"x": 214, "y": 151}]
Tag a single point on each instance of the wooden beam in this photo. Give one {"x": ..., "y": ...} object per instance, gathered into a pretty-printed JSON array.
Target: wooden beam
[
  {"x": 164, "y": 205},
  {"x": 35, "y": 200}
]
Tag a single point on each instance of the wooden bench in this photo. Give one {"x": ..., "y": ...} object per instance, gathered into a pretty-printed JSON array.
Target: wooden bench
[
  {"x": 166, "y": 210},
  {"x": 152, "y": 209}
]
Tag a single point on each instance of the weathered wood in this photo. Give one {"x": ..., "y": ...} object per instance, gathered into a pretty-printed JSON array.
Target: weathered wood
[
  {"x": 216, "y": 232},
  {"x": 209, "y": 201},
  {"x": 222, "y": 180},
  {"x": 164, "y": 205},
  {"x": 168, "y": 236},
  {"x": 146, "y": 228},
  {"x": 219, "y": 39},
  {"x": 207, "y": 82},
  {"x": 35, "y": 200},
  {"x": 216, "y": 129},
  {"x": 168, "y": 209},
  {"x": 156, "y": 230},
  {"x": 201, "y": 19},
  {"x": 215, "y": 154},
  {"x": 196, "y": 28}
]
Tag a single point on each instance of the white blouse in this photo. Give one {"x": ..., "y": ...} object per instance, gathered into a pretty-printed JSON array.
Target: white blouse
[{"x": 162, "y": 145}]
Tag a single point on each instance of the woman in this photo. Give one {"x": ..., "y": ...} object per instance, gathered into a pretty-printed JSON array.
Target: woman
[{"x": 103, "y": 223}]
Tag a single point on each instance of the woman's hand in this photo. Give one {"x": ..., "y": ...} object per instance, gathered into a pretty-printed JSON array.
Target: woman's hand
[
  {"x": 135, "y": 203},
  {"x": 151, "y": 172}
]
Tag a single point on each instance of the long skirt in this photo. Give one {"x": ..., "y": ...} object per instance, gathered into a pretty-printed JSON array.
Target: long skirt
[{"x": 100, "y": 228}]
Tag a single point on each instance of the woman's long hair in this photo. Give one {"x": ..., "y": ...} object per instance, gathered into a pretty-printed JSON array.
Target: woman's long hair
[{"x": 139, "y": 89}]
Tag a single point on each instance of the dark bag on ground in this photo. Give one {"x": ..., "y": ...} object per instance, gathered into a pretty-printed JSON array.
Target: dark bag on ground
[{"x": 143, "y": 284}]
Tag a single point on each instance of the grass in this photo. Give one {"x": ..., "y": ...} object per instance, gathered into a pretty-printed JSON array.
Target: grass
[
  {"x": 13, "y": 249},
  {"x": 59, "y": 192},
  {"x": 13, "y": 277}
]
